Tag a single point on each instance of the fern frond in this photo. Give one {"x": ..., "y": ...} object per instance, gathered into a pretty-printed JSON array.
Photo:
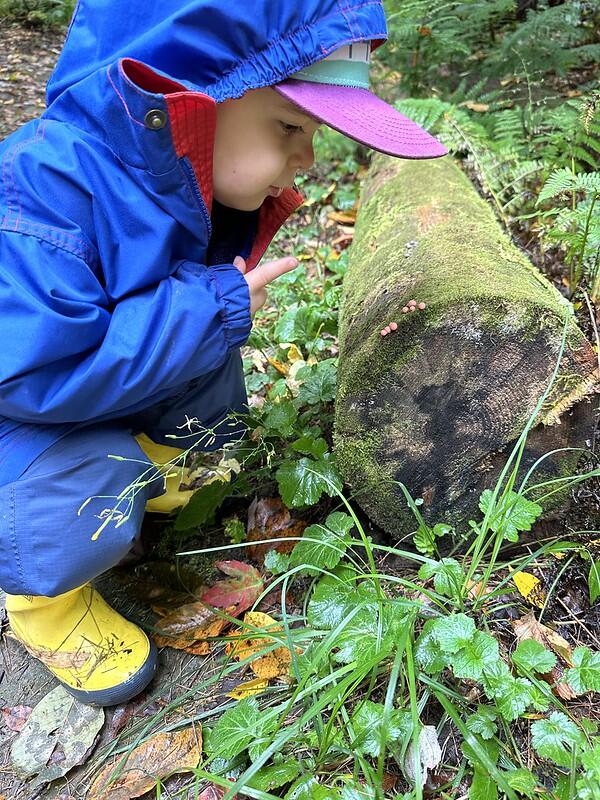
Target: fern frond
[{"x": 561, "y": 180}]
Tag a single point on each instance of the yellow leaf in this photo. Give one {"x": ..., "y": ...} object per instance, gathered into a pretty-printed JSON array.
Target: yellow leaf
[
  {"x": 479, "y": 107},
  {"x": 530, "y": 588},
  {"x": 345, "y": 217},
  {"x": 274, "y": 664},
  {"x": 279, "y": 366},
  {"x": 255, "y": 686},
  {"x": 294, "y": 353}
]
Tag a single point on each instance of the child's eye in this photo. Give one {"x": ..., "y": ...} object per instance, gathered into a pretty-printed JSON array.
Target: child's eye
[{"x": 289, "y": 129}]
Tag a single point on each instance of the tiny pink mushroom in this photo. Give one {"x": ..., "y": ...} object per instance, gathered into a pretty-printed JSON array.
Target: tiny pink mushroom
[
  {"x": 393, "y": 325},
  {"x": 412, "y": 308},
  {"x": 422, "y": 306},
  {"x": 383, "y": 332},
  {"x": 412, "y": 302},
  {"x": 405, "y": 310}
]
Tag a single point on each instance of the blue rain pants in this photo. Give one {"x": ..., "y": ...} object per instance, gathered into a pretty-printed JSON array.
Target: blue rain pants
[{"x": 47, "y": 543}]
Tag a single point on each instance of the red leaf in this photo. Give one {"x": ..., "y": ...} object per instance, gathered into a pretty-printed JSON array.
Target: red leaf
[
  {"x": 241, "y": 590},
  {"x": 213, "y": 792}
]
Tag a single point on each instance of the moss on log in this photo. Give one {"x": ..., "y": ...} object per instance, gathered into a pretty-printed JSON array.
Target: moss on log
[{"x": 439, "y": 403}]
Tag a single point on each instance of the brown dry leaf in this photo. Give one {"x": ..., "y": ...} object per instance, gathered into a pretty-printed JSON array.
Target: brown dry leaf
[
  {"x": 275, "y": 664},
  {"x": 476, "y": 589},
  {"x": 159, "y": 756},
  {"x": 255, "y": 686},
  {"x": 529, "y": 628},
  {"x": 268, "y": 518},
  {"x": 14, "y": 718},
  {"x": 188, "y": 626},
  {"x": 344, "y": 217},
  {"x": 344, "y": 238}
]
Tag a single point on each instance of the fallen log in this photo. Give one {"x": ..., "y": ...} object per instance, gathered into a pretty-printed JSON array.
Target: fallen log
[{"x": 438, "y": 403}]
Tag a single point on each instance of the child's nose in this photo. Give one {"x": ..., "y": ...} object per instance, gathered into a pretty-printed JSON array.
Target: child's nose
[{"x": 304, "y": 156}]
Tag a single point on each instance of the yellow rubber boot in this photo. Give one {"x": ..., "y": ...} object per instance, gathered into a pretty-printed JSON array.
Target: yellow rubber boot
[
  {"x": 169, "y": 462},
  {"x": 100, "y": 657},
  {"x": 173, "y": 475}
]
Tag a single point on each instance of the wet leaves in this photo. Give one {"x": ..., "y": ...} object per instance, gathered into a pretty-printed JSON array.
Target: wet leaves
[
  {"x": 274, "y": 664},
  {"x": 188, "y": 627},
  {"x": 530, "y": 588},
  {"x": 268, "y": 518},
  {"x": 15, "y": 718},
  {"x": 241, "y": 590},
  {"x": 58, "y": 735},
  {"x": 161, "y": 755}
]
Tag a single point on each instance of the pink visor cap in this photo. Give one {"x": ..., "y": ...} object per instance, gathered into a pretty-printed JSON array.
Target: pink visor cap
[{"x": 336, "y": 91}]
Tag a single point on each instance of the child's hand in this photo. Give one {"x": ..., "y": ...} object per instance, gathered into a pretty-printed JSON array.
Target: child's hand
[{"x": 257, "y": 279}]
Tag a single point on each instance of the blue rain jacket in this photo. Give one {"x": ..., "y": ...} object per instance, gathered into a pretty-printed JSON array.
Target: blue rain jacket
[{"x": 107, "y": 302}]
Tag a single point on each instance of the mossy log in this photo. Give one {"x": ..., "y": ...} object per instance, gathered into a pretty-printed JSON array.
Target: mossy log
[{"x": 438, "y": 404}]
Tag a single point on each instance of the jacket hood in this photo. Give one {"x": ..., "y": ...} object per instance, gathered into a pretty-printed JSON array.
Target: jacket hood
[{"x": 218, "y": 47}]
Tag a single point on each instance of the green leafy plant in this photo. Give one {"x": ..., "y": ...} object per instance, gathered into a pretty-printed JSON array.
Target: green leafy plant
[
  {"x": 575, "y": 226},
  {"x": 40, "y": 13}
]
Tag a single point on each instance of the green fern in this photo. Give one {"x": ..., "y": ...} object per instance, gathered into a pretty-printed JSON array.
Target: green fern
[{"x": 575, "y": 226}]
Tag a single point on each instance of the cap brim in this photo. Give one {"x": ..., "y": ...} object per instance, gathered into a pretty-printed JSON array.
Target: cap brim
[{"x": 364, "y": 117}]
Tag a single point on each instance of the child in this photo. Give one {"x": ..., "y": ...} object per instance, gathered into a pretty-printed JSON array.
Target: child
[{"x": 134, "y": 214}]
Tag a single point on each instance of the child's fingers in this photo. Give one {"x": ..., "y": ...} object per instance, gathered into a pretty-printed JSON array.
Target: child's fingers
[
  {"x": 268, "y": 272},
  {"x": 239, "y": 262}
]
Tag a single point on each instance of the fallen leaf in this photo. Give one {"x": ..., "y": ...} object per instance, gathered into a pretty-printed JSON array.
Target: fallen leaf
[
  {"x": 282, "y": 368},
  {"x": 61, "y": 725},
  {"x": 430, "y": 755},
  {"x": 478, "y": 107},
  {"x": 213, "y": 792},
  {"x": 258, "y": 360},
  {"x": 269, "y": 518},
  {"x": 255, "y": 686},
  {"x": 16, "y": 717},
  {"x": 159, "y": 756},
  {"x": 529, "y": 628},
  {"x": 293, "y": 353},
  {"x": 164, "y": 585},
  {"x": 241, "y": 590},
  {"x": 530, "y": 588},
  {"x": 476, "y": 589},
  {"x": 275, "y": 664},
  {"x": 188, "y": 627},
  {"x": 345, "y": 217}
]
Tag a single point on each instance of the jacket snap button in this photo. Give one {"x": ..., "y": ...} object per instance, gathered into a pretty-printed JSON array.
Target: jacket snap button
[{"x": 155, "y": 119}]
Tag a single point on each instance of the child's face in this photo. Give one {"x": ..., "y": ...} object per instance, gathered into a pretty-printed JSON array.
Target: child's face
[{"x": 261, "y": 141}]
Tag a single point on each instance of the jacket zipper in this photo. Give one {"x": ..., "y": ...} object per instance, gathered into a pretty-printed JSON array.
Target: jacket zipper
[{"x": 193, "y": 183}]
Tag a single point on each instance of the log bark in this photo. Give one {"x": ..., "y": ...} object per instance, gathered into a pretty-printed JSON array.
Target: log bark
[{"x": 439, "y": 403}]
